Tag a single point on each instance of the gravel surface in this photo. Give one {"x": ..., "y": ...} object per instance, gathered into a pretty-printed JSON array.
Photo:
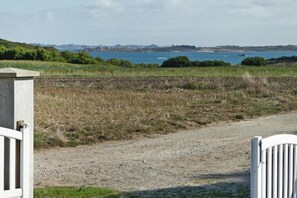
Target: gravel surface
[{"x": 218, "y": 153}]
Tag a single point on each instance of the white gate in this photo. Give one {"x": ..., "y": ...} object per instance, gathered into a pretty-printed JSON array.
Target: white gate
[
  {"x": 274, "y": 167},
  {"x": 18, "y": 184}
]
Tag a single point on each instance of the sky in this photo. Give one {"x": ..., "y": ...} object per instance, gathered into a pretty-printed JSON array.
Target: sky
[{"x": 144, "y": 22}]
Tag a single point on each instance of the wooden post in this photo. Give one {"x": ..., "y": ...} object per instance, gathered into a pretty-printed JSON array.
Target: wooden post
[
  {"x": 255, "y": 178},
  {"x": 16, "y": 104}
]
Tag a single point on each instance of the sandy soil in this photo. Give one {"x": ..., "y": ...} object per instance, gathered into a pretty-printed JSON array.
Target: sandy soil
[{"x": 217, "y": 153}]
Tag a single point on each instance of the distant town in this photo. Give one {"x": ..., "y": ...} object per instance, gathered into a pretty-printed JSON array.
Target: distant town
[{"x": 173, "y": 48}]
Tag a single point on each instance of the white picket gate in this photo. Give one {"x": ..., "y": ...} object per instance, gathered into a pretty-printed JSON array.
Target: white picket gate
[
  {"x": 13, "y": 136},
  {"x": 274, "y": 167}
]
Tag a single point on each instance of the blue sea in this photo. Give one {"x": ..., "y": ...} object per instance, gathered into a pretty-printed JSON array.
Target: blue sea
[{"x": 160, "y": 57}]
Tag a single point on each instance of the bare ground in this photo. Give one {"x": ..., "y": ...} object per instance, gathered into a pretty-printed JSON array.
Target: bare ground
[{"x": 218, "y": 153}]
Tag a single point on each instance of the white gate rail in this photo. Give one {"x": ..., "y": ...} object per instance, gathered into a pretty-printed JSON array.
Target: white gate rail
[
  {"x": 13, "y": 136},
  {"x": 274, "y": 167}
]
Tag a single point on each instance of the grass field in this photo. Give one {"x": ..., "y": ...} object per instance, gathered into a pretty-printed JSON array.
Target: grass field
[
  {"x": 105, "y": 70},
  {"x": 73, "y": 111},
  {"x": 85, "y": 104}
]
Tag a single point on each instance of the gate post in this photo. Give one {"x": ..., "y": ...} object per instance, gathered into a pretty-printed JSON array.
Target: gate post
[{"x": 16, "y": 104}]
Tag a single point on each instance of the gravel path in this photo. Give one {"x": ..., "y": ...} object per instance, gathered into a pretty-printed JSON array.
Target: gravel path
[{"x": 214, "y": 154}]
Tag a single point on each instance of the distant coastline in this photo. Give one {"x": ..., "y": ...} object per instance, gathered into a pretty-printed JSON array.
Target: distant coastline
[{"x": 173, "y": 48}]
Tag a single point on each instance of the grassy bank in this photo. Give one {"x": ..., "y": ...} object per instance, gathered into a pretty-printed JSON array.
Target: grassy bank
[
  {"x": 73, "y": 111},
  {"x": 56, "y": 69},
  {"x": 73, "y": 192},
  {"x": 218, "y": 190}
]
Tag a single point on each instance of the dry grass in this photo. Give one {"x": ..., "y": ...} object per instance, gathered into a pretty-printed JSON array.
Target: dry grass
[{"x": 83, "y": 111}]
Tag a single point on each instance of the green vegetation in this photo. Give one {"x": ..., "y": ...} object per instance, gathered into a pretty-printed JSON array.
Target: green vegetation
[
  {"x": 46, "y": 54},
  {"x": 56, "y": 69},
  {"x": 254, "y": 61},
  {"x": 222, "y": 190},
  {"x": 282, "y": 60},
  {"x": 10, "y": 45},
  {"x": 74, "y": 192},
  {"x": 183, "y": 61},
  {"x": 120, "y": 63},
  {"x": 218, "y": 190}
]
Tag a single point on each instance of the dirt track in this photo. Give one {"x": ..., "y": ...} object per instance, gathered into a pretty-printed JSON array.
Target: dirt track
[{"x": 217, "y": 153}]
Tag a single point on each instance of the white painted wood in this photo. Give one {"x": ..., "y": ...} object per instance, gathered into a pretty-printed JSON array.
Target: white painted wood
[
  {"x": 12, "y": 169},
  {"x": 25, "y": 163},
  {"x": 263, "y": 179},
  {"x": 8, "y": 133},
  {"x": 277, "y": 167},
  {"x": 280, "y": 171},
  {"x": 269, "y": 172},
  {"x": 295, "y": 172},
  {"x": 1, "y": 163},
  {"x": 11, "y": 193},
  {"x": 26, "y": 189},
  {"x": 255, "y": 181},
  {"x": 275, "y": 172},
  {"x": 277, "y": 140},
  {"x": 285, "y": 168},
  {"x": 291, "y": 172}
]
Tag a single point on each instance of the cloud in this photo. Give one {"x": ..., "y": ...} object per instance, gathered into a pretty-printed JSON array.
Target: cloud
[
  {"x": 49, "y": 15},
  {"x": 197, "y": 22}
]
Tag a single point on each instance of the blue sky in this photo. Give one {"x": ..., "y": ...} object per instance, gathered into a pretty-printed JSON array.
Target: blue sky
[{"x": 162, "y": 22}]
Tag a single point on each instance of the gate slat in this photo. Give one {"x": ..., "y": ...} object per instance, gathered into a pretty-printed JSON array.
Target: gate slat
[
  {"x": 274, "y": 160},
  {"x": 290, "y": 183},
  {"x": 295, "y": 172},
  {"x": 263, "y": 180},
  {"x": 269, "y": 172},
  {"x": 12, "y": 164},
  {"x": 1, "y": 163},
  {"x": 285, "y": 179},
  {"x": 280, "y": 171}
]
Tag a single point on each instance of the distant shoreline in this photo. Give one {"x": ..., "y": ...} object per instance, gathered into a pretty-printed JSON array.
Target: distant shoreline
[{"x": 173, "y": 48}]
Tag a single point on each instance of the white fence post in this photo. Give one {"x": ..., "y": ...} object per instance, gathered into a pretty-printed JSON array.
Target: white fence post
[
  {"x": 255, "y": 180},
  {"x": 16, "y": 104}
]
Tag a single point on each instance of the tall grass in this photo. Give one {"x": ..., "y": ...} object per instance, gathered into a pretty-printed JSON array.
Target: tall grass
[{"x": 69, "y": 114}]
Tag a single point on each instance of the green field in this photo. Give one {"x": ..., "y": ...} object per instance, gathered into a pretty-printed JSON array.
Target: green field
[{"x": 56, "y": 69}]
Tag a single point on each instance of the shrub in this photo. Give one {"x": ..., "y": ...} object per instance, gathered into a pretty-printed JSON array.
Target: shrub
[
  {"x": 211, "y": 63},
  {"x": 120, "y": 63},
  {"x": 254, "y": 61},
  {"x": 179, "y": 61}
]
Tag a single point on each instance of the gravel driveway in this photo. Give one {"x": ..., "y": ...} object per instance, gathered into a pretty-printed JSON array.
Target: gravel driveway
[{"x": 215, "y": 154}]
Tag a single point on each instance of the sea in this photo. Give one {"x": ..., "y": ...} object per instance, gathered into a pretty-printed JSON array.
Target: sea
[{"x": 159, "y": 57}]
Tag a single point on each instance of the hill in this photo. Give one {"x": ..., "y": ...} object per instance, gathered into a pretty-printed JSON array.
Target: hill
[
  {"x": 12, "y": 45},
  {"x": 21, "y": 51}
]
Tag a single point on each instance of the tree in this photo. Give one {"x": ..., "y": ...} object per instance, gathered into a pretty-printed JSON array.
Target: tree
[
  {"x": 179, "y": 61},
  {"x": 254, "y": 61}
]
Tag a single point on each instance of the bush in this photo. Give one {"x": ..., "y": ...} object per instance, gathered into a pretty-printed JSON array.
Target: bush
[
  {"x": 120, "y": 63},
  {"x": 210, "y": 63},
  {"x": 179, "y": 61},
  {"x": 283, "y": 59},
  {"x": 254, "y": 61},
  {"x": 183, "y": 61}
]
